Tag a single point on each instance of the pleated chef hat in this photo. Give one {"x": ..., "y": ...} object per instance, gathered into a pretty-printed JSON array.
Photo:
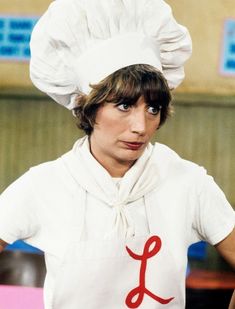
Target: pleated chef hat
[{"x": 80, "y": 42}]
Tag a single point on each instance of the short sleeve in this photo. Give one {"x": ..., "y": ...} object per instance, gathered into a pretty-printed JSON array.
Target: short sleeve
[
  {"x": 18, "y": 217},
  {"x": 214, "y": 216}
]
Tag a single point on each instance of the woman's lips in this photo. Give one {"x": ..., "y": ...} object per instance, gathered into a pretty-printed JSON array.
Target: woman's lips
[{"x": 133, "y": 145}]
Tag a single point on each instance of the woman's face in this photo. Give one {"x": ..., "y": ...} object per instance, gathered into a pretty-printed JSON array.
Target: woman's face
[{"x": 122, "y": 132}]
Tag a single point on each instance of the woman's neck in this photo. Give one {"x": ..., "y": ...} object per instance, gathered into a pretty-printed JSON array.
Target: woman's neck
[{"x": 115, "y": 167}]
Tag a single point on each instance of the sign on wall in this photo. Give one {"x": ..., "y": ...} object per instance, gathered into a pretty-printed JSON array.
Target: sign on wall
[
  {"x": 15, "y": 35},
  {"x": 228, "y": 49}
]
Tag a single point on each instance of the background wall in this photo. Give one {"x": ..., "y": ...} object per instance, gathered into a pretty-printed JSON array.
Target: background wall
[
  {"x": 204, "y": 21},
  {"x": 33, "y": 129},
  {"x": 203, "y": 126},
  {"x": 16, "y": 74}
]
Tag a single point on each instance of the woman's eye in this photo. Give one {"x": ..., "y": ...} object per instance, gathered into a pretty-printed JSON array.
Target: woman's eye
[
  {"x": 154, "y": 110},
  {"x": 123, "y": 107}
]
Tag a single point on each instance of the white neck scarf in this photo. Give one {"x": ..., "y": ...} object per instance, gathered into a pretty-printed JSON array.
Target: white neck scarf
[{"x": 140, "y": 179}]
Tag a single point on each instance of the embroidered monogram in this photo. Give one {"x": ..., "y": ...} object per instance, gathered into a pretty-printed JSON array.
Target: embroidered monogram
[{"x": 136, "y": 296}]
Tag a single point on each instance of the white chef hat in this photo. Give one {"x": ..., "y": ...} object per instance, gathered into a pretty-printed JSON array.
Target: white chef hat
[{"x": 80, "y": 42}]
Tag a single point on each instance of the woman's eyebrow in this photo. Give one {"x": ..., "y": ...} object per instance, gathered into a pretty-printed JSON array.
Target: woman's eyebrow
[
  {"x": 130, "y": 101},
  {"x": 152, "y": 103}
]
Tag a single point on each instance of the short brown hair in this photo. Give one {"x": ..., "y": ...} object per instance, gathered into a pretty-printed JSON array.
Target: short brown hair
[{"x": 125, "y": 86}]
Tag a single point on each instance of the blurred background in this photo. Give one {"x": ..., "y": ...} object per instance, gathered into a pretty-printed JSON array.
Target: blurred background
[{"x": 34, "y": 129}]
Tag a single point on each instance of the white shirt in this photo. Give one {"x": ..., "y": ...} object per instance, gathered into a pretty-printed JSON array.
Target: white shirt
[{"x": 55, "y": 202}]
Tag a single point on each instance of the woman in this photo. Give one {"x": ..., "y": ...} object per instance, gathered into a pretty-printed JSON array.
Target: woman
[{"x": 115, "y": 215}]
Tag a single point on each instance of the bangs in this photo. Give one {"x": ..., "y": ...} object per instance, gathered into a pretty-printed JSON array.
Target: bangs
[
  {"x": 129, "y": 86},
  {"x": 125, "y": 86}
]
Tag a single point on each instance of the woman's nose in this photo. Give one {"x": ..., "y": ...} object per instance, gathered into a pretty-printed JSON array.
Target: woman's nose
[{"x": 138, "y": 122}]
